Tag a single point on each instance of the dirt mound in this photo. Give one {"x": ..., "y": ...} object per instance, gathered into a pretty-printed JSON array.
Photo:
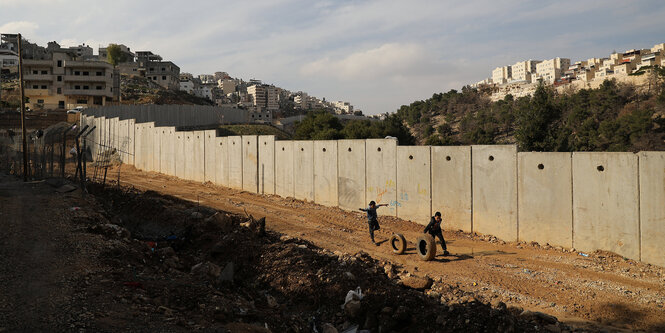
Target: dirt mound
[{"x": 199, "y": 268}]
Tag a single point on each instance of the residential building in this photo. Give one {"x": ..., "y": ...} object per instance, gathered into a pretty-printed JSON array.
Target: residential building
[
  {"x": 129, "y": 56},
  {"x": 552, "y": 70},
  {"x": 186, "y": 76},
  {"x": 624, "y": 68},
  {"x": 658, "y": 47},
  {"x": 522, "y": 70},
  {"x": 64, "y": 81},
  {"x": 207, "y": 78},
  {"x": 164, "y": 73},
  {"x": 204, "y": 91},
  {"x": 501, "y": 75},
  {"x": 228, "y": 86},
  {"x": 263, "y": 97},
  {"x": 342, "y": 107},
  {"x": 8, "y": 59},
  {"x": 650, "y": 59},
  {"x": 187, "y": 85}
]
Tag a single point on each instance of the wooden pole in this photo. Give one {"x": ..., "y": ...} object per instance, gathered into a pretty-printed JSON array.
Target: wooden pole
[{"x": 23, "y": 134}]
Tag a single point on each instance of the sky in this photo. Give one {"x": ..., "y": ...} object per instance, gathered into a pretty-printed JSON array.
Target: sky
[{"x": 377, "y": 55}]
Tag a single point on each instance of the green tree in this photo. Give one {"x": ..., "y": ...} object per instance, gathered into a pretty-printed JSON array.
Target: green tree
[
  {"x": 535, "y": 122},
  {"x": 114, "y": 54},
  {"x": 318, "y": 125}
]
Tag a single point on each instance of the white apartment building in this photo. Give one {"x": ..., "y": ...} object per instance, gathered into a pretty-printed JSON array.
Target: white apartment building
[
  {"x": 263, "y": 97},
  {"x": 552, "y": 70},
  {"x": 501, "y": 75},
  {"x": 187, "y": 85},
  {"x": 342, "y": 107},
  {"x": 203, "y": 91},
  {"x": 522, "y": 70},
  {"x": 658, "y": 47}
]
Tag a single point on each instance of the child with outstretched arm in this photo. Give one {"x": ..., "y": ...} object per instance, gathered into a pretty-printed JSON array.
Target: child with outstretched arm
[{"x": 372, "y": 218}]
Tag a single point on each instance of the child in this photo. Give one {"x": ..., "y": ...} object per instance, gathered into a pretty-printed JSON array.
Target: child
[
  {"x": 372, "y": 219},
  {"x": 434, "y": 229}
]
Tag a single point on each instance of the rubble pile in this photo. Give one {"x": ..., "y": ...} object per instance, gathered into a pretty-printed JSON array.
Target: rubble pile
[{"x": 192, "y": 267}]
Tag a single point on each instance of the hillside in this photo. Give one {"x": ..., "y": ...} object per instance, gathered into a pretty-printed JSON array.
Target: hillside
[
  {"x": 253, "y": 129},
  {"x": 139, "y": 90},
  {"x": 613, "y": 117}
]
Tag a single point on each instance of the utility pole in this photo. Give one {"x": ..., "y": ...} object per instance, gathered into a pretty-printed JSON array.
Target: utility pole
[{"x": 20, "y": 80}]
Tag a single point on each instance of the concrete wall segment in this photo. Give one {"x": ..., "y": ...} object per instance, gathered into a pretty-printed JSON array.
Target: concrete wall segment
[
  {"x": 325, "y": 172},
  {"x": 303, "y": 169},
  {"x": 381, "y": 174},
  {"x": 284, "y": 177},
  {"x": 351, "y": 174},
  {"x": 545, "y": 198},
  {"x": 494, "y": 172},
  {"x": 605, "y": 201},
  {"x": 652, "y": 207},
  {"x": 266, "y": 164},
  {"x": 451, "y": 186},
  {"x": 413, "y": 183}
]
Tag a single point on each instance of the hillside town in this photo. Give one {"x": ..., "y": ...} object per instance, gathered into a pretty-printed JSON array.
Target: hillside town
[
  {"x": 59, "y": 77},
  {"x": 522, "y": 78}
]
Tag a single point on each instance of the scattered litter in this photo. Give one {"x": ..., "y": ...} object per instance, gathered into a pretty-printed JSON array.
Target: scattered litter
[
  {"x": 353, "y": 295},
  {"x": 74, "y": 209},
  {"x": 152, "y": 246},
  {"x": 583, "y": 254}
]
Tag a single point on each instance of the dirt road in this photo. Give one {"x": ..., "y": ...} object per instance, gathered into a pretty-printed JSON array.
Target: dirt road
[{"x": 598, "y": 290}]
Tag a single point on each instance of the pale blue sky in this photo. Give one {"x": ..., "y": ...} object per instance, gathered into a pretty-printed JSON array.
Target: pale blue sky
[{"x": 377, "y": 55}]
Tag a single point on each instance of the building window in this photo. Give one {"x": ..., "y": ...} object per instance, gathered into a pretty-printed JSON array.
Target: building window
[
  {"x": 44, "y": 72},
  {"x": 40, "y": 101},
  {"x": 59, "y": 91},
  {"x": 163, "y": 77},
  {"x": 163, "y": 69},
  {"x": 35, "y": 72},
  {"x": 81, "y": 101},
  {"x": 152, "y": 69},
  {"x": 86, "y": 73},
  {"x": 34, "y": 86},
  {"x": 59, "y": 63},
  {"x": 99, "y": 74},
  {"x": 59, "y": 78},
  {"x": 86, "y": 87},
  {"x": 77, "y": 87},
  {"x": 43, "y": 86},
  {"x": 99, "y": 87},
  {"x": 77, "y": 73},
  {"x": 154, "y": 78}
]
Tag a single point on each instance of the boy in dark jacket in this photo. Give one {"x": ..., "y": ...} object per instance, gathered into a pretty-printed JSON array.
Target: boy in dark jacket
[
  {"x": 372, "y": 218},
  {"x": 434, "y": 229}
]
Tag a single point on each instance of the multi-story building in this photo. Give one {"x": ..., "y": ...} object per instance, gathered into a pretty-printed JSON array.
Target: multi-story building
[
  {"x": 342, "y": 107},
  {"x": 64, "y": 81},
  {"x": 204, "y": 91},
  {"x": 522, "y": 70},
  {"x": 263, "y": 97},
  {"x": 164, "y": 73},
  {"x": 187, "y": 85},
  {"x": 228, "y": 86},
  {"x": 8, "y": 60},
  {"x": 207, "y": 78},
  {"x": 501, "y": 75},
  {"x": 129, "y": 56},
  {"x": 552, "y": 70}
]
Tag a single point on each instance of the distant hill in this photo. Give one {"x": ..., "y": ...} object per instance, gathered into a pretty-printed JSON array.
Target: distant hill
[{"x": 613, "y": 117}]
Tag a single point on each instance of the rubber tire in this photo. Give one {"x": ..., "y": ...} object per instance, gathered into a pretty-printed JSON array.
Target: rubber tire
[
  {"x": 398, "y": 243},
  {"x": 426, "y": 247}
]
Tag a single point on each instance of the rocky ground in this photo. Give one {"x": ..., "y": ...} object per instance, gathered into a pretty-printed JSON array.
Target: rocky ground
[{"x": 120, "y": 259}]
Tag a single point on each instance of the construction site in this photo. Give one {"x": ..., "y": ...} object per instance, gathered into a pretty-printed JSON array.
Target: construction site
[{"x": 140, "y": 218}]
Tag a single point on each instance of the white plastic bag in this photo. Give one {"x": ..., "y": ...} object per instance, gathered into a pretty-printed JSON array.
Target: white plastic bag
[{"x": 353, "y": 295}]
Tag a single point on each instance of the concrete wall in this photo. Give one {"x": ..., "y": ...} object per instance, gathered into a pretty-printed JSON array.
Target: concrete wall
[
  {"x": 235, "y": 162},
  {"x": 550, "y": 198},
  {"x": 303, "y": 169},
  {"x": 210, "y": 155},
  {"x": 167, "y": 152},
  {"x": 451, "y": 186},
  {"x": 284, "y": 168},
  {"x": 222, "y": 161},
  {"x": 250, "y": 163},
  {"x": 652, "y": 207},
  {"x": 413, "y": 184},
  {"x": 267, "y": 164},
  {"x": 544, "y": 198},
  {"x": 180, "y": 148},
  {"x": 325, "y": 172},
  {"x": 351, "y": 174},
  {"x": 495, "y": 190},
  {"x": 605, "y": 201},
  {"x": 381, "y": 185}
]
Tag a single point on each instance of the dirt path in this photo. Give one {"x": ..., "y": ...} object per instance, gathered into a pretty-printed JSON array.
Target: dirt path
[{"x": 601, "y": 290}]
